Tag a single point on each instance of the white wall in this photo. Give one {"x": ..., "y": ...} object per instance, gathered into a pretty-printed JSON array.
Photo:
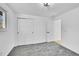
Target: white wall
[
  {"x": 7, "y": 38},
  {"x": 70, "y": 29}
]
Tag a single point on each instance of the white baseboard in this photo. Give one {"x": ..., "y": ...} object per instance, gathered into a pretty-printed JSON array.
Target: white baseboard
[{"x": 9, "y": 50}]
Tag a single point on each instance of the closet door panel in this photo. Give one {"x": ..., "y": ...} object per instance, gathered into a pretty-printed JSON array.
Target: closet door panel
[
  {"x": 25, "y": 28},
  {"x": 39, "y": 31},
  {"x": 50, "y": 30},
  {"x": 57, "y": 29}
]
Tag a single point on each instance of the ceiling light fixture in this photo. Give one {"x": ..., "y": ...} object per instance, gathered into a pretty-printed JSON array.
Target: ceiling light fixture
[{"x": 46, "y": 4}]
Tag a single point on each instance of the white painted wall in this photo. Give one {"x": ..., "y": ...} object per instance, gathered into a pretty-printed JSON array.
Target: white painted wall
[
  {"x": 70, "y": 30},
  {"x": 7, "y": 38}
]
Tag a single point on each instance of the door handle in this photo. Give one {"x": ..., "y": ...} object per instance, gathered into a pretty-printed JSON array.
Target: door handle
[
  {"x": 47, "y": 32},
  {"x": 17, "y": 32},
  {"x": 32, "y": 32}
]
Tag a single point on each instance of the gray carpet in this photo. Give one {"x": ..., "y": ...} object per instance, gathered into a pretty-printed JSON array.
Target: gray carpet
[{"x": 42, "y": 49}]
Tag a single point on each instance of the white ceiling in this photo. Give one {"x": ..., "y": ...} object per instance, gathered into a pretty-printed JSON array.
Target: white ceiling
[{"x": 39, "y": 10}]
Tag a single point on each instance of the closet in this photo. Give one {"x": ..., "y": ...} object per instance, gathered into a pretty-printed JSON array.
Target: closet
[
  {"x": 31, "y": 31},
  {"x": 36, "y": 30}
]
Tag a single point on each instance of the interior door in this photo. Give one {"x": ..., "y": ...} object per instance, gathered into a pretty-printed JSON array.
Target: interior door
[
  {"x": 50, "y": 30},
  {"x": 39, "y": 31},
  {"x": 25, "y": 28},
  {"x": 57, "y": 29}
]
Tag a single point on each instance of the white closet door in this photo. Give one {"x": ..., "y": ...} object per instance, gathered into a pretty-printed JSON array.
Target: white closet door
[
  {"x": 39, "y": 31},
  {"x": 25, "y": 28},
  {"x": 57, "y": 29},
  {"x": 50, "y": 30}
]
